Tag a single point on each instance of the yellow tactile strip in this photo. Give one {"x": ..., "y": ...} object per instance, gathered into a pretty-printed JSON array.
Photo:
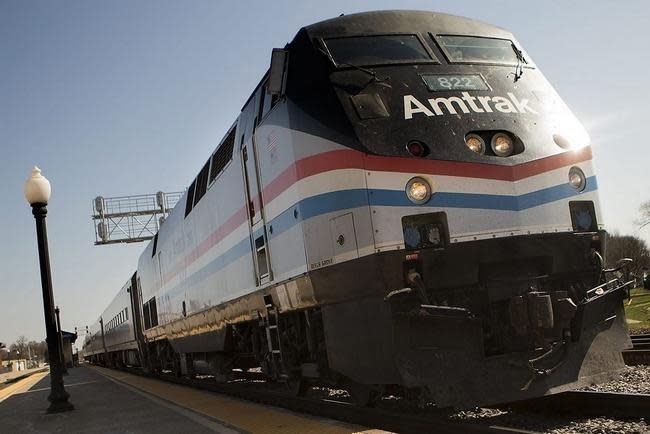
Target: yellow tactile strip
[
  {"x": 21, "y": 385},
  {"x": 246, "y": 416}
]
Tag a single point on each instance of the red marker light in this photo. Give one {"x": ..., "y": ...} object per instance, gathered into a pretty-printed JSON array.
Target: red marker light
[{"x": 417, "y": 149}]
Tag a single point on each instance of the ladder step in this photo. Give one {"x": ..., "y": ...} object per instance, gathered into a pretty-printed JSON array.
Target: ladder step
[
  {"x": 273, "y": 326},
  {"x": 275, "y": 351}
]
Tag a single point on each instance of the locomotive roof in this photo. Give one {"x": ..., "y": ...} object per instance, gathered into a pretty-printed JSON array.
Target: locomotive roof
[{"x": 402, "y": 22}]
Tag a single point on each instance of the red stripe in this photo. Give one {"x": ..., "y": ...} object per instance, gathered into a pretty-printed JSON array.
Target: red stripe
[
  {"x": 553, "y": 162},
  {"x": 477, "y": 170},
  {"x": 350, "y": 159},
  {"x": 309, "y": 166},
  {"x": 219, "y": 234}
]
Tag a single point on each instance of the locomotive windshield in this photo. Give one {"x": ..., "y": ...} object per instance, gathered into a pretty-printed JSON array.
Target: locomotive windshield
[
  {"x": 473, "y": 49},
  {"x": 377, "y": 49},
  {"x": 431, "y": 83}
]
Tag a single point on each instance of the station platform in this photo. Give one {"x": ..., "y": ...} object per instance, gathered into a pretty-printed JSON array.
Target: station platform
[
  {"x": 11, "y": 376},
  {"x": 108, "y": 401}
]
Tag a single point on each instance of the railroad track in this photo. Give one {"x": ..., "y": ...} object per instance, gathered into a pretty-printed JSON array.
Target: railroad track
[
  {"x": 343, "y": 411},
  {"x": 572, "y": 404},
  {"x": 640, "y": 352},
  {"x": 588, "y": 403}
]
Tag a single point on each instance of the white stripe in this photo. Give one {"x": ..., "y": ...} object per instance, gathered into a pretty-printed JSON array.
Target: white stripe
[
  {"x": 336, "y": 180},
  {"x": 344, "y": 179},
  {"x": 228, "y": 242},
  {"x": 459, "y": 184}
]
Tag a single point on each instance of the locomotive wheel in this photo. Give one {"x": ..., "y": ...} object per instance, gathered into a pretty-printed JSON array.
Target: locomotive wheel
[
  {"x": 189, "y": 364},
  {"x": 176, "y": 365},
  {"x": 221, "y": 367},
  {"x": 362, "y": 394},
  {"x": 298, "y": 386}
]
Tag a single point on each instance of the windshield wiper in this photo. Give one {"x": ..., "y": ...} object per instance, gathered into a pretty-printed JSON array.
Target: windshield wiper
[
  {"x": 521, "y": 60},
  {"x": 370, "y": 72}
]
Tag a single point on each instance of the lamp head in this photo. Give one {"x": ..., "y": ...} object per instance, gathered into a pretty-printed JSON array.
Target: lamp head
[{"x": 37, "y": 188}]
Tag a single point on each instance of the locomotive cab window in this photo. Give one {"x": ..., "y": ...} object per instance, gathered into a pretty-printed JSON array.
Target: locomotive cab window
[
  {"x": 476, "y": 49},
  {"x": 153, "y": 312},
  {"x": 150, "y": 314},
  {"x": 147, "y": 316},
  {"x": 377, "y": 50},
  {"x": 262, "y": 259},
  {"x": 268, "y": 101}
]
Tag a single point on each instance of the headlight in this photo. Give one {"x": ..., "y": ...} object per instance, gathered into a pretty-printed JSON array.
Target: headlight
[
  {"x": 502, "y": 145},
  {"x": 475, "y": 143},
  {"x": 418, "y": 190},
  {"x": 577, "y": 178}
]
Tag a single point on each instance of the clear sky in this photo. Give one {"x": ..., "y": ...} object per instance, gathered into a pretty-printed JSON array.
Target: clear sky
[{"x": 121, "y": 97}]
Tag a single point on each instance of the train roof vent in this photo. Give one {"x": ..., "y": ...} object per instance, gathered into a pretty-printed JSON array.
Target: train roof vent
[{"x": 222, "y": 155}]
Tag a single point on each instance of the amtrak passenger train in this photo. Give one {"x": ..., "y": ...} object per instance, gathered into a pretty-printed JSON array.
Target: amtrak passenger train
[{"x": 403, "y": 205}]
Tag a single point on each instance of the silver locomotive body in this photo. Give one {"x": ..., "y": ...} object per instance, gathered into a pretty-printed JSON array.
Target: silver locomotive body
[{"x": 403, "y": 203}]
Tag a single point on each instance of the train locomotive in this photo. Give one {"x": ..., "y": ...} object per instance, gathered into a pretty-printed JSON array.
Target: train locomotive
[{"x": 404, "y": 205}]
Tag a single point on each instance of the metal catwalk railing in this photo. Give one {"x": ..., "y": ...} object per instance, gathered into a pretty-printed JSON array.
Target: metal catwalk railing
[{"x": 130, "y": 219}]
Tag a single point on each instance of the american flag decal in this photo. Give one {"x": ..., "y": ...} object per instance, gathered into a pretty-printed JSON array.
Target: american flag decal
[{"x": 272, "y": 141}]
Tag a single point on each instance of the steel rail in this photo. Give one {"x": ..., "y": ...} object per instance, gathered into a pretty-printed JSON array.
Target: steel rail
[
  {"x": 640, "y": 352},
  {"x": 588, "y": 403},
  {"x": 636, "y": 357}
]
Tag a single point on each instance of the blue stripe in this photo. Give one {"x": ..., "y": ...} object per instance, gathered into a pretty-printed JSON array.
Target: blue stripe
[
  {"x": 483, "y": 201},
  {"x": 317, "y": 205},
  {"x": 552, "y": 194},
  {"x": 348, "y": 199},
  {"x": 218, "y": 263}
]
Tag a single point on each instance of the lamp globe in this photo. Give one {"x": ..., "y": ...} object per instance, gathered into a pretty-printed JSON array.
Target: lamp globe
[{"x": 37, "y": 188}]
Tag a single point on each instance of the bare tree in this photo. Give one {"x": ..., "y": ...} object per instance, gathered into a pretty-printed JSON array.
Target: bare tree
[
  {"x": 644, "y": 209},
  {"x": 20, "y": 346},
  {"x": 628, "y": 246},
  {"x": 38, "y": 349},
  {"x": 21, "y": 349}
]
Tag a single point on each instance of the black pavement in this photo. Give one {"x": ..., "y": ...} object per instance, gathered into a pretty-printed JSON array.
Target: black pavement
[{"x": 101, "y": 405}]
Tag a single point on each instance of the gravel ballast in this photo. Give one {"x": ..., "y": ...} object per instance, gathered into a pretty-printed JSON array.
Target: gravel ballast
[{"x": 632, "y": 379}]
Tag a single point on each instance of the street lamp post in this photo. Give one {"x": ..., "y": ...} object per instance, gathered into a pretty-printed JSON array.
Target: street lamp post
[
  {"x": 37, "y": 193},
  {"x": 59, "y": 340}
]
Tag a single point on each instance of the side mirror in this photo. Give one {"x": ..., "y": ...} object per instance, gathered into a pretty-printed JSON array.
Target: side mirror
[{"x": 275, "y": 84}]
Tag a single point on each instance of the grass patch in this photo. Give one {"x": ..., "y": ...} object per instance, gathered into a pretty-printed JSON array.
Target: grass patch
[{"x": 637, "y": 308}]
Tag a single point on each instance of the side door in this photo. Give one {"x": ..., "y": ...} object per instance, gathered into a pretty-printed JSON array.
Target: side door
[{"x": 253, "y": 188}]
